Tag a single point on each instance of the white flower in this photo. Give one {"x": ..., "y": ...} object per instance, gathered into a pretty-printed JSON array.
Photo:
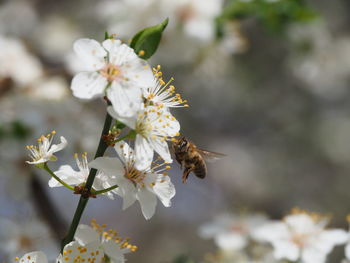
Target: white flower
[
  {"x": 134, "y": 184},
  {"x": 44, "y": 151},
  {"x": 301, "y": 236},
  {"x": 72, "y": 177},
  {"x": 91, "y": 244},
  {"x": 232, "y": 232},
  {"x": 17, "y": 238},
  {"x": 153, "y": 126},
  {"x": 114, "y": 69},
  {"x": 33, "y": 257},
  {"x": 198, "y": 18},
  {"x": 161, "y": 93},
  {"x": 17, "y": 63}
]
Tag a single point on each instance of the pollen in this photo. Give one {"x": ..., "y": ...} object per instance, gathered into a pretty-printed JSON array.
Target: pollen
[{"x": 142, "y": 53}]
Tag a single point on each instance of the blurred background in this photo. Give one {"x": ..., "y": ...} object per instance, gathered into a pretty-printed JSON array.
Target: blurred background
[{"x": 268, "y": 85}]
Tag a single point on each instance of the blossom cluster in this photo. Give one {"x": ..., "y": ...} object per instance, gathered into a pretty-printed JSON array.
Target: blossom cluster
[
  {"x": 140, "y": 99},
  {"x": 300, "y": 237},
  {"x": 92, "y": 244}
]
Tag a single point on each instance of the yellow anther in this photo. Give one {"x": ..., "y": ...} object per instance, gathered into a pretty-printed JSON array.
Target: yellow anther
[
  {"x": 158, "y": 67},
  {"x": 168, "y": 167},
  {"x": 142, "y": 53},
  {"x": 75, "y": 155},
  {"x": 53, "y": 132},
  {"x": 16, "y": 258}
]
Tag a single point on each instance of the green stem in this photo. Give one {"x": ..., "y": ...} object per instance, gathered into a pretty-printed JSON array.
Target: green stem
[
  {"x": 47, "y": 169},
  {"x": 129, "y": 135},
  {"x": 105, "y": 190},
  {"x": 102, "y": 146}
]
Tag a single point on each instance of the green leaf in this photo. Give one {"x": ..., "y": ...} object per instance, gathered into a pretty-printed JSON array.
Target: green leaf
[{"x": 145, "y": 42}]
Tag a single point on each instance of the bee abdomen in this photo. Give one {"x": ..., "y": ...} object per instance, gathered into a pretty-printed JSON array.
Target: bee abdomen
[{"x": 200, "y": 169}]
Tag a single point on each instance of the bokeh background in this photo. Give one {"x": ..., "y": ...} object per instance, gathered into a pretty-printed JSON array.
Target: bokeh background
[{"x": 268, "y": 85}]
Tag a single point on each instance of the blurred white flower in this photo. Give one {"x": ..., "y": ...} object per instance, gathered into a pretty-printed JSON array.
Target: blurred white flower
[
  {"x": 153, "y": 125},
  {"x": 91, "y": 244},
  {"x": 114, "y": 70},
  {"x": 17, "y": 63},
  {"x": 301, "y": 236},
  {"x": 197, "y": 18},
  {"x": 134, "y": 184},
  {"x": 232, "y": 232},
  {"x": 17, "y": 238},
  {"x": 59, "y": 32},
  {"x": 76, "y": 178},
  {"x": 33, "y": 257},
  {"x": 45, "y": 150},
  {"x": 52, "y": 88}
]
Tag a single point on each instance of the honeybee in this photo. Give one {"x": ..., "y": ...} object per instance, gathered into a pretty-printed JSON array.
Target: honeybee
[{"x": 192, "y": 159}]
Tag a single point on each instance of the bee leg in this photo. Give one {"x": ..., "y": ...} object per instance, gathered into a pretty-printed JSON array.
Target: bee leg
[{"x": 186, "y": 173}]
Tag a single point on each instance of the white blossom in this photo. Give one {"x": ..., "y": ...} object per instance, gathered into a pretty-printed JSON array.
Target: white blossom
[
  {"x": 301, "y": 236},
  {"x": 232, "y": 232},
  {"x": 113, "y": 70},
  {"x": 76, "y": 178},
  {"x": 134, "y": 184},
  {"x": 17, "y": 63},
  {"x": 33, "y": 257},
  {"x": 92, "y": 243},
  {"x": 45, "y": 150},
  {"x": 19, "y": 237},
  {"x": 153, "y": 126}
]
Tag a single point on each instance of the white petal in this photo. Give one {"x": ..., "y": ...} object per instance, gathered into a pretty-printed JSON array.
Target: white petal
[
  {"x": 230, "y": 241},
  {"x": 328, "y": 239},
  {"x": 86, "y": 234},
  {"x": 113, "y": 250},
  {"x": 73, "y": 250},
  {"x": 286, "y": 250},
  {"x": 68, "y": 175},
  {"x": 126, "y": 99},
  {"x": 88, "y": 85},
  {"x": 108, "y": 165},
  {"x": 347, "y": 251},
  {"x": 127, "y": 191},
  {"x": 139, "y": 72},
  {"x": 165, "y": 190},
  {"x": 300, "y": 223},
  {"x": 148, "y": 202},
  {"x": 311, "y": 255},
  {"x": 34, "y": 257},
  {"x": 90, "y": 52},
  {"x": 58, "y": 147},
  {"x": 124, "y": 151},
  {"x": 143, "y": 153},
  {"x": 118, "y": 53},
  {"x": 128, "y": 121},
  {"x": 161, "y": 147}
]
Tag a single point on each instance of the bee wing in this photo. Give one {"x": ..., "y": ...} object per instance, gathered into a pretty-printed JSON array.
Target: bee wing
[{"x": 211, "y": 156}]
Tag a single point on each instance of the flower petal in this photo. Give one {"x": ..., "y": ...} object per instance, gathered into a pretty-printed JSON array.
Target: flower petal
[
  {"x": 113, "y": 250},
  {"x": 88, "y": 85},
  {"x": 34, "y": 257},
  {"x": 124, "y": 151},
  {"x": 231, "y": 241},
  {"x": 126, "y": 99},
  {"x": 127, "y": 191},
  {"x": 58, "y": 147},
  {"x": 86, "y": 234},
  {"x": 68, "y": 175},
  {"x": 148, "y": 202},
  {"x": 90, "y": 52},
  {"x": 128, "y": 121},
  {"x": 143, "y": 153},
  {"x": 118, "y": 53},
  {"x": 161, "y": 147},
  {"x": 165, "y": 190},
  {"x": 108, "y": 165}
]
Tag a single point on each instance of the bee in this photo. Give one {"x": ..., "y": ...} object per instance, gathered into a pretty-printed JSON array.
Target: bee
[{"x": 192, "y": 159}]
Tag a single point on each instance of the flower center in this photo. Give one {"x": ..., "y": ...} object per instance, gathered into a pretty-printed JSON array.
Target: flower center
[
  {"x": 134, "y": 175},
  {"x": 25, "y": 242},
  {"x": 111, "y": 72},
  {"x": 299, "y": 240}
]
